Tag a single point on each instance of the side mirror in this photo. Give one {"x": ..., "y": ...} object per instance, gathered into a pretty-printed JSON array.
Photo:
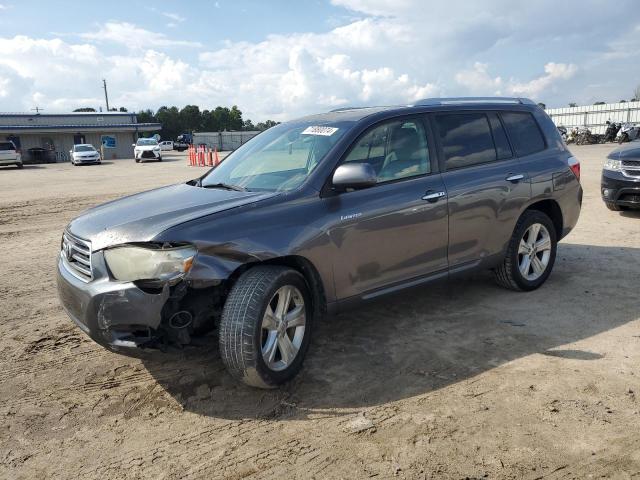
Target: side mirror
[
  {"x": 354, "y": 175},
  {"x": 133, "y": 145}
]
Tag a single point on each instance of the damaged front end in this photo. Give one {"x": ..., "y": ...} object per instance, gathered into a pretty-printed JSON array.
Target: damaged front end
[{"x": 136, "y": 295}]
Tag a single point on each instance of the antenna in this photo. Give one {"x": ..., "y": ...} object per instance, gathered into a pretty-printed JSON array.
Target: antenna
[
  {"x": 106, "y": 96},
  {"x": 37, "y": 109}
]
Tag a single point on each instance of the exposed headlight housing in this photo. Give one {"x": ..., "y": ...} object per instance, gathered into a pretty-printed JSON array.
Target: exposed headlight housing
[
  {"x": 613, "y": 165},
  {"x": 156, "y": 149},
  {"x": 131, "y": 263}
]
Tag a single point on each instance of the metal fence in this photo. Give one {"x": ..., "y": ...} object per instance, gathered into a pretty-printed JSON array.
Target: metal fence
[
  {"x": 223, "y": 140},
  {"x": 594, "y": 117}
]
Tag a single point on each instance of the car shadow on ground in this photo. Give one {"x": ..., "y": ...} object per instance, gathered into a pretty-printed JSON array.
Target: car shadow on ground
[
  {"x": 631, "y": 213},
  {"x": 421, "y": 340},
  {"x": 24, "y": 167}
]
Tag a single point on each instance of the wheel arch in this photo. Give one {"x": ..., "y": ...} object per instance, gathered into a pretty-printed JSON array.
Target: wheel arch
[
  {"x": 551, "y": 209},
  {"x": 302, "y": 265}
]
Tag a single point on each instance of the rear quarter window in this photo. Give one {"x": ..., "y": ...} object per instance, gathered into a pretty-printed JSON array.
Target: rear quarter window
[
  {"x": 524, "y": 133},
  {"x": 6, "y": 146}
]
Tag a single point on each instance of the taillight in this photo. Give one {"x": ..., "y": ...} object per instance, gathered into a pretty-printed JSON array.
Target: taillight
[{"x": 574, "y": 165}]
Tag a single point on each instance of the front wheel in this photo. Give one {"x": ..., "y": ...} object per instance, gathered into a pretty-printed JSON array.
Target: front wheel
[
  {"x": 266, "y": 325},
  {"x": 531, "y": 253}
]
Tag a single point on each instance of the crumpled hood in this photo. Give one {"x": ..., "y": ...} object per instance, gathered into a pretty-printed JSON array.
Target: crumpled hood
[{"x": 141, "y": 217}]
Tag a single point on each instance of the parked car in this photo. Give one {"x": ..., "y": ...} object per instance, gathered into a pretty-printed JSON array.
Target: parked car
[
  {"x": 84, "y": 153},
  {"x": 166, "y": 145},
  {"x": 10, "y": 155},
  {"x": 318, "y": 215},
  {"x": 620, "y": 185},
  {"x": 147, "y": 149}
]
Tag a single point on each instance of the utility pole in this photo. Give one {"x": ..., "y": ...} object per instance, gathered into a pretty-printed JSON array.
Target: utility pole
[{"x": 106, "y": 97}]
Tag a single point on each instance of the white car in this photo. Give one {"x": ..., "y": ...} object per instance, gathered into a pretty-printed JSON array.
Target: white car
[
  {"x": 84, "y": 153},
  {"x": 10, "y": 155},
  {"x": 146, "y": 149},
  {"x": 166, "y": 145}
]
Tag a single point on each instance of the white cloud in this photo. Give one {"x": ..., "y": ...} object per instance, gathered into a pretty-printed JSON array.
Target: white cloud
[
  {"x": 553, "y": 72},
  {"x": 174, "y": 16},
  {"x": 478, "y": 80},
  {"x": 387, "y": 53},
  {"x": 131, "y": 36}
]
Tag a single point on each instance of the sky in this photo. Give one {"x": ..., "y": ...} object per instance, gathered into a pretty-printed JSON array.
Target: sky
[{"x": 281, "y": 59}]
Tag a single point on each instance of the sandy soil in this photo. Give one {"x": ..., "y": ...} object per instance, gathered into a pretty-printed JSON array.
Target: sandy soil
[{"x": 451, "y": 381}]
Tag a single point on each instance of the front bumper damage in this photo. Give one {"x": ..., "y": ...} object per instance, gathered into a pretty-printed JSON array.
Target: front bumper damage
[{"x": 117, "y": 315}]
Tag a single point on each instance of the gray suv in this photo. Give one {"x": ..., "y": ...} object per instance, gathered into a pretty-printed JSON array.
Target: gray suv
[{"x": 317, "y": 215}]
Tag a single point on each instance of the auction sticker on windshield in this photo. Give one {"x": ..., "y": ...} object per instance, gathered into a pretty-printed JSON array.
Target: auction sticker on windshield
[{"x": 325, "y": 131}]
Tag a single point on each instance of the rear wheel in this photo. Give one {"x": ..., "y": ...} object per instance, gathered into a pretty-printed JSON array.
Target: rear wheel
[
  {"x": 266, "y": 325},
  {"x": 531, "y": 253},
  {"x": 19, "y": 165}
]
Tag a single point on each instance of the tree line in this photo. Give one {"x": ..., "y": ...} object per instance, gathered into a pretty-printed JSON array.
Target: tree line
[{"x": 192, "y": 119}]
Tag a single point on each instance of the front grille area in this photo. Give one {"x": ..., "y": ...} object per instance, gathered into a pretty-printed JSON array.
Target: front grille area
[
  {"x": 76, "y": 254},
  {"x": 148, "y": 154},
  {"x": 631, "y": 168},
  {"x": 630, "y": 197}
]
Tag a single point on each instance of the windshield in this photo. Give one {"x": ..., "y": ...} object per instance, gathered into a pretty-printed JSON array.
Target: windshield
[
  {"x": 146, "y": 141},
  {"x": 279, "y": 159},
  {"x": 84, "y": 148}
]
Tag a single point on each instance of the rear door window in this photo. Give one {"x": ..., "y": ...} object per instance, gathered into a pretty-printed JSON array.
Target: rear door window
[
  {"x": 500, "y": 137},
  {"x": 466, "y": 139},
  {"x": 524, "y": 133},
  {"x": 4, "y": 146}
]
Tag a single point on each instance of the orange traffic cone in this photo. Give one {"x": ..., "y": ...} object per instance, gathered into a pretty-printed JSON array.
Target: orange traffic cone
[{"x": 215, "y": 153}]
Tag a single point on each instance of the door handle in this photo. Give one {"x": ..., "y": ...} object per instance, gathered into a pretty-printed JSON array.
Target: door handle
[
  {"x": 514, "y": 178},
  {"x": 433, "y": 196}
]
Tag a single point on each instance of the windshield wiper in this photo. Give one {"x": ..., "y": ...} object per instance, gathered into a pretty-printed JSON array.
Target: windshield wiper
[{"x": 226, "y": 186}]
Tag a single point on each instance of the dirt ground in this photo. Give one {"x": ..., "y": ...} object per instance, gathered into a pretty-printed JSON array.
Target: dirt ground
[{"x": 456, "y": 380}]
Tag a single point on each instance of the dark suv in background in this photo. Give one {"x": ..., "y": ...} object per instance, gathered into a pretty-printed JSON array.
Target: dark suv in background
[
  {"x": 620, "y": 186},
  {"x": 317, "y": 215}
]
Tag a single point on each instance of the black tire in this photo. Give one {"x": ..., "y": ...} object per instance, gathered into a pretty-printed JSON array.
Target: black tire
[
  {"x": 613, "y": 207},
  {"x": 508, "y": 274},
  {"x": 240, "y": 334},
  {"x": 20, "y": 165},
  {"x": 137, "y": 160}
]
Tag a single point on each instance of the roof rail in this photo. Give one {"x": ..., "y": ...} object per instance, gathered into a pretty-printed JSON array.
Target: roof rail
[
  {"x": 344, "y": 109},
  {"x": 462, "y": 100}
]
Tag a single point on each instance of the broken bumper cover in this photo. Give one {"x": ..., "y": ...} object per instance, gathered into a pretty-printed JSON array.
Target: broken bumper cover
[{"x": 117, "y": 315}]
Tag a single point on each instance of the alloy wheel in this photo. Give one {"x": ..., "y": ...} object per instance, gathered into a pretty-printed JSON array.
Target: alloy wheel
[
  {"x": 283, "y": 327},
  {"x": 534, "y": 252}
]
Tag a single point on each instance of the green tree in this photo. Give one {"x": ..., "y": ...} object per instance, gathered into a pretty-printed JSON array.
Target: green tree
[
  {"x": 171, "y": 121},
  {"x": 572, "y": 104},
  {"x": 191, "y": 118},
  {"x": 85, "y": 109},
  {"x": 266, "y": 125}
]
